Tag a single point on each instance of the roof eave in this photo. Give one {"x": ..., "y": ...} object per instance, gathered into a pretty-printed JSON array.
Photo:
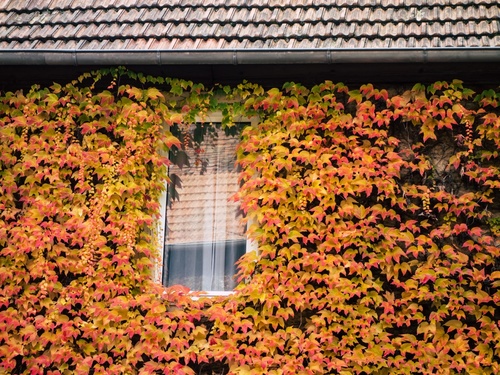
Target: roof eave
[{"x": 250, "y": 56}]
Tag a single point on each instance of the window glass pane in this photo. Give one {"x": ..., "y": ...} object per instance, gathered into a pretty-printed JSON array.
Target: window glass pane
[
  {"x": 204, "y": 266},
  {"x": 204, "y": 236}
]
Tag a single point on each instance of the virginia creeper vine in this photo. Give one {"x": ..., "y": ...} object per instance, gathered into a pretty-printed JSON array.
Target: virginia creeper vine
[{"x": 376, "y": 215}]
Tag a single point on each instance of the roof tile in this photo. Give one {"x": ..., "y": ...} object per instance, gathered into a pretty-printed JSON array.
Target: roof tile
[
  {"x": 320, "y": 30},
  {"x": 211, "y": 43},
  {"x": 241, "y": 15},
  {"x": 125, "y": 3},
  {"x": 387, "y": 3},
  {"x": 398, "y": 43},
  {"x": 334, "y": 13},
  {"x": 312, "y": 15},
  {"x": 487, "y": 27},
  {"x": 5, "y": 32},
  {"x": 426, "y": 14},
  {"x": 249, "y": 31},
  {"x": 178, "y": 15},
  {"x": 221, "y": 15},
  {"x": 118, "y": 44},
  {"x": 490, "y": 12},
  {"x": 412, "y": 42},
  {"x": 197, "y": 14},
  {"x": 159, "y": 30},
  {"x": 366, "y": 29},
  {"x": 229, "y": 31},
  {"x": 70, "y": 44},
  {"x": 262, "y": 15},
  {"x": 379, "y": 43},
  {"x": 405, "y": 14},
  {"x": 412, "y": 3},
  {"x": 82, "y": 16},
  {"x": 131, "y": 15},
  {"x": 162, "y": 44},
  {"x": 380, "y": 15},
  {"x": 305, "y": 43},
  {"x": 329, "y": 43},
  {"x": 344, "y": 3},
  {"x": 414, "y": 29},
  {"x": 18, "y": 5},
  {"x": 449, "y": 42},
  {"x": 205, "y": 31},
  {"x": 140, "y": 43},
  {"x": 92, "y": 31},
  {"x": 108, "y": 15},
  {"x": 63, "y": 4},
  {"x": 273, "y": 31},
  {"x": 495, "y": 27},
  {"x": 358, "y": 15},
  {"x": 447, "y": 14},
  {"x": 290, "y": 14},
  {"x": 343, "y": 30},
  {"x": 295, "y": 30},
  {"x": 184, "y": 43},
  {"x": 59, "y": 32}
]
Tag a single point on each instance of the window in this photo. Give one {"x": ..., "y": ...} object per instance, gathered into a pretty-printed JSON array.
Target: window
[{"x": 204, "y": 235}]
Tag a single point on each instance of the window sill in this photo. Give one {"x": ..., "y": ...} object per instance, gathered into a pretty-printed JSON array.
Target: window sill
[{"x": 211, "y": 294}]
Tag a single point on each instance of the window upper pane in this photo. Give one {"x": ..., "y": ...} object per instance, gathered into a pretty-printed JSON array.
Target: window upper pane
[{"x": 204, "y": 178}]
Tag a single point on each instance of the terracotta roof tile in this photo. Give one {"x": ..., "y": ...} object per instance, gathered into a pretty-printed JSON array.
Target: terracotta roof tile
[
  {"x": 248, "y": 24},
  {"x": 343, "y": 30},
  {"x": 158, "y": 31},
  {"x": 162, "y": 43},
  {"x": 291, "y": 14},
  {"x": 313, "y": 15},
  {"x": 261, "y": 16},
  {"x": 379, "y": 15},
  {"x": 241, "y": 15},
  {"x": 57, "y": 32},
  {"x": 197, "y": 14},
  {"x": 358, "y": 15},
  {"x": 334, "y": 14},
  {"x": 131, "y": 15},
  {"x": 183, "y": 43},
  {"x": 61, "y": 4},
  {"x": 398, "y": 43}
]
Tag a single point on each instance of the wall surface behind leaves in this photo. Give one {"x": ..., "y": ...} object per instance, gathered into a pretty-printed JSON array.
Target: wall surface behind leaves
[{"x": 376, "y": 216}]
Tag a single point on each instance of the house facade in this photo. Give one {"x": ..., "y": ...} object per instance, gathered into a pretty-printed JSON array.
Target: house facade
[{"x": 372, "y": 206}]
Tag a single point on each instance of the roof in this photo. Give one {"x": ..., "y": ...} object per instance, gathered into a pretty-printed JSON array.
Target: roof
[{"x": 247, "y": 31}]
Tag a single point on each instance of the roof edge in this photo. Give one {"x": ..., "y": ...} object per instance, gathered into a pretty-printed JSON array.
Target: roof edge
[{"x": 250, "y": 56}]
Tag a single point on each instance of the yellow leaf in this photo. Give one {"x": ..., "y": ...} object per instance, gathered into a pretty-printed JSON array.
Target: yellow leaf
[
  {"x": 428, "y": 129},
  {"x": 495, "y": 275},
  {"x": 453, "y": 324}
]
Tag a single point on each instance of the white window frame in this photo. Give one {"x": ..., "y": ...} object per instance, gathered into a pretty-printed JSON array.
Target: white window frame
[{"x": 215, "y": 117}]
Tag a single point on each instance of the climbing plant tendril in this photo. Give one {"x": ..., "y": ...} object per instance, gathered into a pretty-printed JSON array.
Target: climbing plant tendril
[{"x": 376, "y": 213}]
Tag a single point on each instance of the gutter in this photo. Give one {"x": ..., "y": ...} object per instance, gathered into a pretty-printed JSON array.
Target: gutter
[{"x": 250, "y": 56}]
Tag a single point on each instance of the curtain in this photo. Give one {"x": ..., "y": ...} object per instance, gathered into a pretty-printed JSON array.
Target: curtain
[{"x": 204, "y": 236}]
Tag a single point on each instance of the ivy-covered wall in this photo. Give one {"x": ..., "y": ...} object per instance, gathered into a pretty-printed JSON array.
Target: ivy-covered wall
[{"x": 376, "y": 213}]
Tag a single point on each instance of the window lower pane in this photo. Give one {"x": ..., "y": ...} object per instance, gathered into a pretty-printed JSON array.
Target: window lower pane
[{"x": 204, "y": 266}]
